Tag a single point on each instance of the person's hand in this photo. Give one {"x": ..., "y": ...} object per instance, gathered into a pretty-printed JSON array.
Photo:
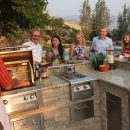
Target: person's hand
[
  {"x": 126, "y": 55},
  {"x": 10, "y": 72},
  {"x": 49, "y": 54},
  {"x": 36, "y": 63},
  {"x": 95, "y": 47},
  {"x": 108, "y": 49}
]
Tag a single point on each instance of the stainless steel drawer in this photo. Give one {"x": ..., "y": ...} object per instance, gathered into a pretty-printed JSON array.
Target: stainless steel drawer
[
  {"x": 82, "y": 110},
  {"x": 34, "y": 122},
  {"x": 36, "y": 127}
]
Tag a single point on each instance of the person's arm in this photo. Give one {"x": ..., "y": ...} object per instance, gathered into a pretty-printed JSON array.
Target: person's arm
[
  {"x": 86, "y": 52},
  {"x": 48, "y": 56},
  {"x": 93, "y": 46},
  {"x": 1, "y": 126},
  {"x": 5, "y": 80},
  {"x": 71, "y": 52},
  {"x": 110, "y": 45}
]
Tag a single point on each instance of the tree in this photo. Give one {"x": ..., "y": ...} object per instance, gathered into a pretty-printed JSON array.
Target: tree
[
  {"x": 56, "y": 25},
  {"x": 101, "y": 16},
  {"x": 85, "y": 19},
  {"x": 123, "y": 21},
  {"x": 24, "y": 14}
]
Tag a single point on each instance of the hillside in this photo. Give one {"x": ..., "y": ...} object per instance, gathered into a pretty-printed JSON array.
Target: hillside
[{"x": 72, "y": 24}]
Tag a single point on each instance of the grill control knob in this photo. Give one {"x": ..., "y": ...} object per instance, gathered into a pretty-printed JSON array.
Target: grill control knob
[
  {"x": 32, "y": 96},
  {"x": 85, "y": 86},
  {"x": 78, "y": 88},
  {"x": 5, "y": 101},
  {"x": 25, "y": 98}
]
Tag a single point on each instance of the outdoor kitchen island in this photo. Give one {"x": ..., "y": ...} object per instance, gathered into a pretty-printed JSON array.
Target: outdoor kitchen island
[{"x": 108, "y": 86}]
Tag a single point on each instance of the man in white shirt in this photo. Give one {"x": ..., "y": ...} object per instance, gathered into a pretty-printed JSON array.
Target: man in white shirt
[
  {"x": 101, "y": 43},
  {"x": 4, "y": 120},
  {"x": 35, "y": 46}
]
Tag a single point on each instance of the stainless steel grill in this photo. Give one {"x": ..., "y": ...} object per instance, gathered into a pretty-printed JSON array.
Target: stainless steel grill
[
  {"x": 22, "y": 99},
  {"x": 34, "y": 122},
  {"x": 28, "y": 95}
]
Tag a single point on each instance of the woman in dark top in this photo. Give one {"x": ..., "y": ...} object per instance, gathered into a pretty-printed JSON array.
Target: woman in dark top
[
  {"x": 126, "y": 44},
  {"x": 55, "y": 53}
]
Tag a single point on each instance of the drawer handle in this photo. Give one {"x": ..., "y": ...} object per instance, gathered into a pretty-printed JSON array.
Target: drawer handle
[
  {"x": 86, "y": 93},
  {"x": 112, "y": 100},
  {"x": 79, "y": 108},
  {"x": 31, "y": 123}
]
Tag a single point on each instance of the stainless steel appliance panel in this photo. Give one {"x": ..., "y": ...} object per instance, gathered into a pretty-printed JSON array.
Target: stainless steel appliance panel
[
  {"x": 21, "y": 107},
  {"x": 81, "y": 90},
  {"x": 36, "y": 127},
  {"x": 10, "y": 56},
  {"x": 114, "y": 112},
  {"x": 23, "y": 101},
  {"x": 69, "y": 69},
  {"x": 82, "y": 110},
  {"x": 34, "y": 122},
  {"x": 21, "y": 65}
]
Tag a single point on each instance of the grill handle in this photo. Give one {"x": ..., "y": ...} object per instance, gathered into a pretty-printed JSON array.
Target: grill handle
[
  {"x": 85, "y": 93},
  {"x": 79, "y": 108},
  {"x": 31, "y": 123},
  {"x": 113, "y": 101}
]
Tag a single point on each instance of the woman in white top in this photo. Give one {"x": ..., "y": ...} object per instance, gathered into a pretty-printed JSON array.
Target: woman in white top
[{"x": 79, "y": 51}]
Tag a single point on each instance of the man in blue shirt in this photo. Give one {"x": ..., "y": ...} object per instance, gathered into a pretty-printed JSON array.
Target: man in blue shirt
[{"x": 101, "y": 43}]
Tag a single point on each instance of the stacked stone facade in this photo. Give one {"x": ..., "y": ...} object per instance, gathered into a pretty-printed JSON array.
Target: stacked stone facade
[
  {"x": 57, "y": 105},
  {"x": 123, "y": 94}
]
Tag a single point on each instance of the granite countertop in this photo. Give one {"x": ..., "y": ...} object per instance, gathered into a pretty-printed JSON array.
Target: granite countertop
[
  {"x": 119, "y": 77},
  {"x": 53, "y": 81}
]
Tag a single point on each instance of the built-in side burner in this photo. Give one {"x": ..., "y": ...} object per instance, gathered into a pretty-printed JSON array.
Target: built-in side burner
[
  {"x": 81, "y": 86},
  {"x": 74, "y": 77},
  {"x": 71, "y": 76}
]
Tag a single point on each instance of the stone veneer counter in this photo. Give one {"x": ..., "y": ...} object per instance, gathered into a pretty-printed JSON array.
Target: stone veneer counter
[
  {"x": 53, "y": 81},
  {"x": 119, "y": 77}
]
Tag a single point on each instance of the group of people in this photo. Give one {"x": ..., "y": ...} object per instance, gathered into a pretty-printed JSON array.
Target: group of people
[{"x": 78, "y": 51}]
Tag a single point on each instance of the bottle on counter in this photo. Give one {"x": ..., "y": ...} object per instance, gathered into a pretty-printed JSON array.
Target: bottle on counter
[
  {"x": 110, "y": 58},
  {"x": 66, "y": 55},
  {"x": 44, "y": 72},
  {"x": 37, "y": 72}
]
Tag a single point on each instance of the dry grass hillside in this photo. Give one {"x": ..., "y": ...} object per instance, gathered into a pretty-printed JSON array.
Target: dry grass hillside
[
  {"x": 72, "y": 25},
  {"x": 24, "y": 36}
]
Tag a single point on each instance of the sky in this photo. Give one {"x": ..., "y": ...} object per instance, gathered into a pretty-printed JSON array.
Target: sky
[{"x": 72, "y": 7}]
